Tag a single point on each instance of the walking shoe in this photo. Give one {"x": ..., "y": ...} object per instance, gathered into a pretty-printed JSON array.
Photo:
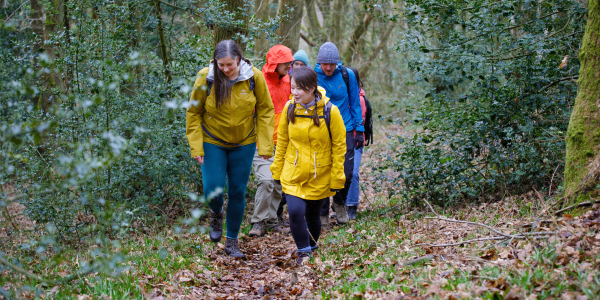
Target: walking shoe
[
  {"x": 303, "y": 256},
  {"x": 216, "y": 226},
  {"x": 282, "y": 222},
  {"x": 352, "y": 212},
  {"x": 281, "y": 229},
  {"x": 325, "y": 222},
  {"x": 232, "y": 249},
  {"x": 340, "y": 213},
  {"x": 258, "y": 229}
]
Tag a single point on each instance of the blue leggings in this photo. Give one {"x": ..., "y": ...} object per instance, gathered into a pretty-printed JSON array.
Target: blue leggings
[{"x": 235, "y": 164}]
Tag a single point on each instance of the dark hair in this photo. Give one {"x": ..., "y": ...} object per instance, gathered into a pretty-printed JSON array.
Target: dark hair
[
  {"x": 355, "y": 71},
  {"x": 306, "y": 79},
  {"x": 222, "y": 85}
]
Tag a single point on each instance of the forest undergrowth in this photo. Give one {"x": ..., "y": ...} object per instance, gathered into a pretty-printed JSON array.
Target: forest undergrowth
[{"x": 392, "y": 251}]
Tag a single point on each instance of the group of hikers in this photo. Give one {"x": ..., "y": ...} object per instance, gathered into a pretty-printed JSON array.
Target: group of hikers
[{"x": 302, "y": 129}]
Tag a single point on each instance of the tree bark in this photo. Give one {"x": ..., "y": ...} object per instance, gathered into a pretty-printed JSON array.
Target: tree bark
[
  {"x": 38, "y": 18},
  {"x": 337, "y": 22},
  {"x": 364, "y": 71},
  {"x": 289, "y": 29},
  {"x": 315, "y": 30},
  {"x": 229, "y": 31},
  {"x": 262, "y": 8},
  {"x": 162, "y": 40},
  {"x": 360, "y": 29},
  {"x": 582, "y": 169}
]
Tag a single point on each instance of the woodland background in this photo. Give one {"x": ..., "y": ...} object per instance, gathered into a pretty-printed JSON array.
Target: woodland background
[{"x": 472, "y": 98}]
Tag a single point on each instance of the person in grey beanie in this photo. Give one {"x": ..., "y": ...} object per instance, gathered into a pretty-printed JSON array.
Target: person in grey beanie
[{"x": 330, "y": 74}]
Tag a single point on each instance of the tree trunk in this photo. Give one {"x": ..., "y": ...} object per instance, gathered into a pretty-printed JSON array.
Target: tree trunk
[
  {"x": 364, "y": 71},
  {"x": 229, "y": 31},
  {"x": 37, "y": 24},
  {"x": 162, "y": 40},
  {"x": 315, "y": 30},
  {"x": 289, "y": 29},
  {"x": 261, "y": 44},
  {"x": 360, "y": 29},
  {"x": 336, "y": 18},
  {"x": 582, "y": 169}
]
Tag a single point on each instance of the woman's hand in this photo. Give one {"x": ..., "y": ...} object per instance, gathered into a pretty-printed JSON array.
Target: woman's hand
[
  {"x": 200, "y": 159},
  {"x": 265, "y": 157}
]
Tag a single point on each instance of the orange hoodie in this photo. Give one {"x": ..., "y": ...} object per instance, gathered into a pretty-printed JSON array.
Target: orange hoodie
[{"x": 279, "y": 88}]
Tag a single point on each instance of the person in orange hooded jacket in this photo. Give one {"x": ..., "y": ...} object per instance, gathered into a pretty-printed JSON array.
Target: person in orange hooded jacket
[{"x": 268, "y": 192}]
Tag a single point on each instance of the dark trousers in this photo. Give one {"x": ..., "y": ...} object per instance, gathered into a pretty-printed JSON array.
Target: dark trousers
[
  {"x": 281, "y": 204},
  {"x": 305, "y": 221},
  {"x": 341, "y": 196}
]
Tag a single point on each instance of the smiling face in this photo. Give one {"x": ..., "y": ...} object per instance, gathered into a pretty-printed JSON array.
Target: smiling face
[
  {"x": 283, "y": 68},
  {"x": 229, "y": 66},
  {"x": 328, "y": 68},
  {"x": 300, "y": 95}
]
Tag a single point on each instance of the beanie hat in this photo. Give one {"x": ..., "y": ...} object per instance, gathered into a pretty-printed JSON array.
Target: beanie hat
[
  {"x": 328, "y": 54},
  {"x": 301, "y": 56}
]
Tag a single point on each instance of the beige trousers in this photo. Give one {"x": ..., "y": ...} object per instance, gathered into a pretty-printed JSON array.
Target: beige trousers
[{"x": 268, "y": 193}]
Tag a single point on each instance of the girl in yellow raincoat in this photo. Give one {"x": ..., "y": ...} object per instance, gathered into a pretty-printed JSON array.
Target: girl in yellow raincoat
[{"x": 309, "y": 159}]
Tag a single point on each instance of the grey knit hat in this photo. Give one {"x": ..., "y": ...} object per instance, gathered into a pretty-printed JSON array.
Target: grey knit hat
[{"x": 328, "y": 54}]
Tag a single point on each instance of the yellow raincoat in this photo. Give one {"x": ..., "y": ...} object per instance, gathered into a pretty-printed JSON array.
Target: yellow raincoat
[
  {"x": 234, "y": 122},
  {"x": 307, "y": 161}
]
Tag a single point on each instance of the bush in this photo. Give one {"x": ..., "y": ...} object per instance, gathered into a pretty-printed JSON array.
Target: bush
[{"x": 494, "y": 119}]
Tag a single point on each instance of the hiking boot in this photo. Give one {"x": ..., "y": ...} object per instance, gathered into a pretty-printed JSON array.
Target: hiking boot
[
  {"x": 282, "y": 222},
  {"x": 216, "y": 226},
  {"x": 352, "y": 212},
  {"x": 282, "y": 230},
  {"x": 340, "y": 213},
  {"x": 232, "y": 249},
  {"x": 325, "y": 222},
  {"x": 258, "y": 229},
  {"x": 303, "y": 256}
]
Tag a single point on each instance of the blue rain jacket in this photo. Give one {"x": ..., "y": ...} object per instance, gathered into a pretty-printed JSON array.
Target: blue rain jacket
[{"x": 336, "y": 90}]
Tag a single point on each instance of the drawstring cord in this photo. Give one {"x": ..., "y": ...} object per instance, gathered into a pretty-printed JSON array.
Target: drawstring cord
[
  {"x": 315, "y": 160},
  {"x": 296, "y": 160}
]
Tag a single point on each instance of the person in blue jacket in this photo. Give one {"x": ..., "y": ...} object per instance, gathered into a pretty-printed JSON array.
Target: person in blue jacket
[{"x": 329, "y": 73}]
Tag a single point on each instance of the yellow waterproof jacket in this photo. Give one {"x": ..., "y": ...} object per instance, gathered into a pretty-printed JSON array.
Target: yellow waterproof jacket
[
  {"x": 307, "y": 161},
  {"x": 234, "y": 122}
]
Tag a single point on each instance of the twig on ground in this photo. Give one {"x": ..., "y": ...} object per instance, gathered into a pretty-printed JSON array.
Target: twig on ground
[
  {"x": 493, "y": 238},
  {"x": 418, "y": 260},
  {"x": 431, "y": 208},
  {"x": 36, "y": 277},
  {"x": 586, "y": 203},
  {"x": 472, "y": 223}
]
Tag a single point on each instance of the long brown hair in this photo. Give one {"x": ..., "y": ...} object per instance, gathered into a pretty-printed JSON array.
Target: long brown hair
[
  {"x": 222, "y": 85},
  {"x": 306, "y": 79}
]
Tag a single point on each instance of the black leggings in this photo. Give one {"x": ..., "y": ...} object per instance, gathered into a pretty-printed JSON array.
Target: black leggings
[
  {"x": 304, "y": 218},
  {"x": 341, "y": 196}
]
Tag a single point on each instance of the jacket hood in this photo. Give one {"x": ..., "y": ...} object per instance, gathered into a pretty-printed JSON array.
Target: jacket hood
[
  {"x": 246, "y": 71},
  {"x": 362, "y": 92},
  {"x": 323, "y": 96},
  {"x": 278, "y": 54},
  {"x": 338, "y": 68}
]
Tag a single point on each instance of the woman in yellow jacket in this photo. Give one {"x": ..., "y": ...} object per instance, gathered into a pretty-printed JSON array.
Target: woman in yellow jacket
[
  {"x": 309, "y": 158},
  {"x": 230, "y": 110}
]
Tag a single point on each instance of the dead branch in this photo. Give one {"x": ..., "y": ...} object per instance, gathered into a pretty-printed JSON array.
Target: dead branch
[
  {"x": 472, "y": 223},
  {"x": 493, "y": 238},
  {"x": 418, "y": 260},
  {"x": 586, "y": 203},
  {"x": 307, "y": 40}
]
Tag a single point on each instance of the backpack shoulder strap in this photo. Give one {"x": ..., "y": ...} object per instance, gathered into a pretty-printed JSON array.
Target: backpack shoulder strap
[
  {"x": 209, "y": 84},
  {"x": 327, "y": 117},
  {"x": 346, "y": 78}
]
